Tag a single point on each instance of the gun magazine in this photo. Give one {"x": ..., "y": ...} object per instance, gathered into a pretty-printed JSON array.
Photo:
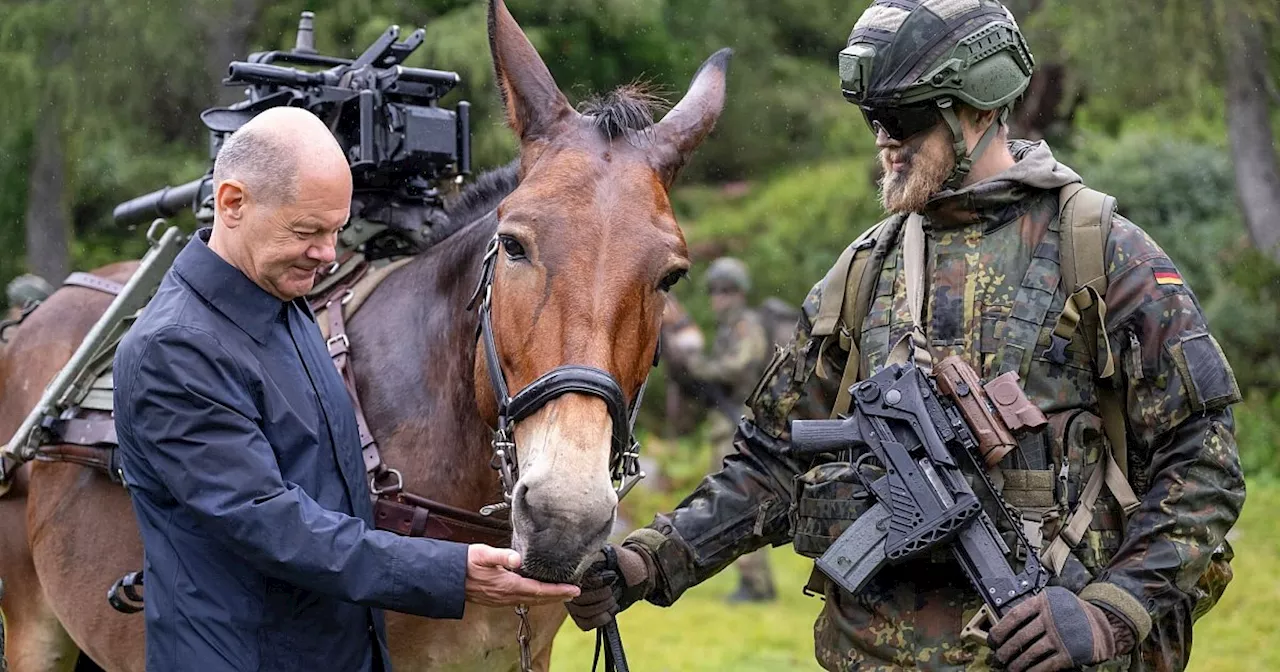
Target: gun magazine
[{"x": 859, "y": 552}]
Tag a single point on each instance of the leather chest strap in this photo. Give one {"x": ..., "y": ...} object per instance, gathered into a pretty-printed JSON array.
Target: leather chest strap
[
  {"x": 339, "y": 346},
  {"x": 394, "y": 510}
]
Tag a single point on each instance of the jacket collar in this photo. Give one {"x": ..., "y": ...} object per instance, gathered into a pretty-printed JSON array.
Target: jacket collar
[
  {"x": 227, "y": 288},
  {"x": 1000, "y": 198}
]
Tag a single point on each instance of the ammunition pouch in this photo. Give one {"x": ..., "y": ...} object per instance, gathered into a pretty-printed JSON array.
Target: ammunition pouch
[
  {"x": 1030, "y": 493},
  {"x": 826, "y": 501}
]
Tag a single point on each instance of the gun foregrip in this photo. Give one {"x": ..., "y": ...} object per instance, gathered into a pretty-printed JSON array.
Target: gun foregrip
[
  {"x": 822, "y": 436},
  {"x": 859, "y": 552}
]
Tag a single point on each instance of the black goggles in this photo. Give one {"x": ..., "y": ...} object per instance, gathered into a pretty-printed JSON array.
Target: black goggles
[{"x": 900, "y": 123}]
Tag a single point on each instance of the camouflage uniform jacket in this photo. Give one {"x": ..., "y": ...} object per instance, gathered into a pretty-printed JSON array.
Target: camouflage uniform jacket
[{"x": 991, "y": 274}]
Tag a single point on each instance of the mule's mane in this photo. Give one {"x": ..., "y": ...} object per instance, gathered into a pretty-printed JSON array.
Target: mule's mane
[
  {"x": 481, "y": 196},
  {"x": 627, "y": 108}
]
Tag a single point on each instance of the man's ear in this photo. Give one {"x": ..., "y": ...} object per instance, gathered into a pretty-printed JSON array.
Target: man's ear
[
  {"x": 229, "y": 202},
  {"x": 977, "y": 120}
]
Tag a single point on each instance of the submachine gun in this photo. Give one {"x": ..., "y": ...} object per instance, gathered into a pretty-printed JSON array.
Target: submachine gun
[
  {"x": 916, "y": 442},
  {"x": 400, "y": 143}
]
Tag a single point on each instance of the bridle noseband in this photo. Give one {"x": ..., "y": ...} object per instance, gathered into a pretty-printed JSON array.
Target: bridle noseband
[{"x": 624, "y": 464}]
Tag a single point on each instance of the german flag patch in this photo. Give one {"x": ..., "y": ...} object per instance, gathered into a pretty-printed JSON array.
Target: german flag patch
[{"x": 1168, "y": 277}]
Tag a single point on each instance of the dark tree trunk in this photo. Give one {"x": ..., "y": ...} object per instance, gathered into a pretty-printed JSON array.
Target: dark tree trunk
[
  {"x": 226, "y": 27},
  {"x": 48, "y": 220},
  {"x": 1249, "y": 127},
  {"x": 1047, "y": 106}
]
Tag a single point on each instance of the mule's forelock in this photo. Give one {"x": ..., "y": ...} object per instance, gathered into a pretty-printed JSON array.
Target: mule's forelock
[{"x": 629, "y": 108}]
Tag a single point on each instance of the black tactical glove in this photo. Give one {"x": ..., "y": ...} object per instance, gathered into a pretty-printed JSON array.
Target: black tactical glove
[
  {"x": 1056, "y": 630},
  {"x": 619, "y": 577}
]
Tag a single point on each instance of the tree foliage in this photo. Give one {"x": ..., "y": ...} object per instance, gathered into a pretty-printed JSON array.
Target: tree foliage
[{"x": 125, "y": 81}]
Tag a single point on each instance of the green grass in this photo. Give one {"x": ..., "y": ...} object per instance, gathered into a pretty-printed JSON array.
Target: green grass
[{"x": 701, "y": 632}]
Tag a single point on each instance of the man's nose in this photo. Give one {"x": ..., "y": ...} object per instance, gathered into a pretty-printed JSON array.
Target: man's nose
[
  {"x": 883, "y": 141},
  {"x": 324, "y": 252}
]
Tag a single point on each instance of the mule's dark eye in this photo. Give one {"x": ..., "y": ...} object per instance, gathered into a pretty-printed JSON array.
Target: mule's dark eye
[
  {"x": 512, "y": 247},
  {"x": 672, "y": 278}
]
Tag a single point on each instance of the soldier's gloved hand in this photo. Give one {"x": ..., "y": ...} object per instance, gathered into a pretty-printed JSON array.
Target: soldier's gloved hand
[
  {"x": 1056, "y": 630},
  {"x": 612, "y": 584}
]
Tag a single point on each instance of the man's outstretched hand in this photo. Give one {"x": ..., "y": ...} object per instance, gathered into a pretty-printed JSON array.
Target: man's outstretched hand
[{"x": 492, "y": 581}]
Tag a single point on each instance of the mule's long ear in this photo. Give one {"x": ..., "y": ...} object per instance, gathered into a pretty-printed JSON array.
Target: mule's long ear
[
  {"x": 533, "y": 101},
  {"x": 689, "y": 122}
]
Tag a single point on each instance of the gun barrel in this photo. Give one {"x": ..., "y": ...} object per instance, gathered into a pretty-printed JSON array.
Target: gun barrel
[
  {"x": 240, "y": 72},
  {"x": 165, "y": 202},
  {"x": 441, "y": 78}
]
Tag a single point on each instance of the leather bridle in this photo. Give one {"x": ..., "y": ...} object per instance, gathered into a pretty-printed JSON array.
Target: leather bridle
[{"x": 624, "y": 465}]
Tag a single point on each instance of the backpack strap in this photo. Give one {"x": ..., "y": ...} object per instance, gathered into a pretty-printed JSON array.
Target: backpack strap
[
  {"x": 1084, "y": 218},
  {"x": 846, "y": 298}
]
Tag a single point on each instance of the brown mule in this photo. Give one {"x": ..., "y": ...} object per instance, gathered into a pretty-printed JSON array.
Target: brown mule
[{"x": 589, "y": 245}]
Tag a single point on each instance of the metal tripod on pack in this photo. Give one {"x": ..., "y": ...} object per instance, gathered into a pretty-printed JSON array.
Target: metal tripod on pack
[{"x": 93, "y": 357}]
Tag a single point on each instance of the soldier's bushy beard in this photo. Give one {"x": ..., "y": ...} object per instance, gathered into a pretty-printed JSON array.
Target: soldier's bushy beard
[{"x": 929, "y": 161}]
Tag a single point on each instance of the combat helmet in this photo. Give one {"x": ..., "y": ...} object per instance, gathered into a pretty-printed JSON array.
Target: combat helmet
[
  {"x": 27, "y": 288},
  {"x": 728, "y": 273},
  {"x": 916, "y": 58}
]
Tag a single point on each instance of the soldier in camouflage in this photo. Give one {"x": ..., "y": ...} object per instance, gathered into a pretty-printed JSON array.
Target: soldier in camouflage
[
  {"x": 934, "y": 80},
  {"x": 726, "y": 374}
]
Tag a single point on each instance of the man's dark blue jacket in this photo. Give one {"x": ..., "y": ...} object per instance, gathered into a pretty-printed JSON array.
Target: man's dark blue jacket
[{"x": 241, "y": 454}]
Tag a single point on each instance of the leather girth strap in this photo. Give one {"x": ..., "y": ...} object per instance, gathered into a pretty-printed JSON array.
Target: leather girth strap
[
  {"x": 395, "y": 510},
  {"x": 91, "y": 281}
]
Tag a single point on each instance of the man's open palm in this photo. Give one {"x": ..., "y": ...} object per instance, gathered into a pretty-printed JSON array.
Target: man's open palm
[{"x": 492, "y": 581}]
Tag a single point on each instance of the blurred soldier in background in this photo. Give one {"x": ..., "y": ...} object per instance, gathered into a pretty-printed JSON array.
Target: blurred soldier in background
[{"x": 724, "y": 376}]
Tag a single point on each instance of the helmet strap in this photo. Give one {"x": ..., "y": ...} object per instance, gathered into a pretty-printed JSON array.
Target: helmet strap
[{"x": 964, "y": 158}]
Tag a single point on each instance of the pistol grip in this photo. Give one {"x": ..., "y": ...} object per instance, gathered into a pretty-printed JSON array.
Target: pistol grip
[{"x": 859, "y": 552}]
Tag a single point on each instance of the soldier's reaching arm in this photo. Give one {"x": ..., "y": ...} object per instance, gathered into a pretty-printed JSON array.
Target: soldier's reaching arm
[
  {"x": 731, "y": 366},
  {"x": 1179, "y": 388},
  {"x": 745, "y": 505}
]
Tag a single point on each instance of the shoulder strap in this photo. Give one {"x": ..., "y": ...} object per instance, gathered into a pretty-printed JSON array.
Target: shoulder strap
[
  {"x": 832, "y": 302},
  {"x": 1085, "y": 221},
  {"x": 1085, "y": 217},
  {"x": 851, "y": 289}
]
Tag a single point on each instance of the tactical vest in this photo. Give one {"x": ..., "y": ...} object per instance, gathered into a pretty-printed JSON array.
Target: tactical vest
[{"x": 1072, "y": 251}]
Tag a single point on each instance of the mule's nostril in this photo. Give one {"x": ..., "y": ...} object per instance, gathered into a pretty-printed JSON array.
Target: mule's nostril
[{"x": 520, "y": 500}]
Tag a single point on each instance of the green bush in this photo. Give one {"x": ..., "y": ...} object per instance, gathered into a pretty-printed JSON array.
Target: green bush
[{"x": 790, "y": 229}]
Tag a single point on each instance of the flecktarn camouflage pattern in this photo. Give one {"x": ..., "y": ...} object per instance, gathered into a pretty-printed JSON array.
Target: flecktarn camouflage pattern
[{"x": 993, "y": 298}]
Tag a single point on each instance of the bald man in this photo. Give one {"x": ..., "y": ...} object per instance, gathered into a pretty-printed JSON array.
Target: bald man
[{"x": 240, "y": 447}]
